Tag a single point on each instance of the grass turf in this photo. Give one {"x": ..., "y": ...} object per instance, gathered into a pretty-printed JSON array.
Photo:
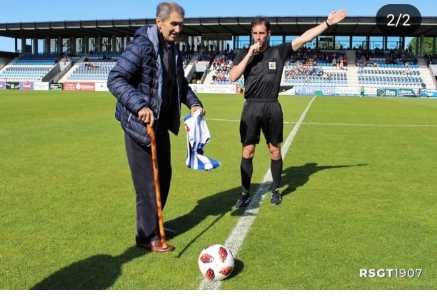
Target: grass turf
[{"x": 357, "y": 194}]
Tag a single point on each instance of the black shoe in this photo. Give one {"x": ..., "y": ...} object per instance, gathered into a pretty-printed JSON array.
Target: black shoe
[
  {"x": 276, "y": 198},
  {"x": 170, "y": 232},
  {"x": 243, "y": 201}
]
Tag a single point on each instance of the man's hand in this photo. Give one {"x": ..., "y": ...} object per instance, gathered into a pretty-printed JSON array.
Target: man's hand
[
  {"x": 336, "y": 16},
  {"x": 197, "y": 107},
  {"x": 146, "y": 115},
  {"x": 254, "y": 48}
]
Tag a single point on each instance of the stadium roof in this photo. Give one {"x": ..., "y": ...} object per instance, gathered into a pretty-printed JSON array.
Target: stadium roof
[{"x": 210, "y": 26}]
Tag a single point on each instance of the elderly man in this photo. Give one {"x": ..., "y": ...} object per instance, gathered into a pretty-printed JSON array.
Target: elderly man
[{"x": 149, "y": 84}]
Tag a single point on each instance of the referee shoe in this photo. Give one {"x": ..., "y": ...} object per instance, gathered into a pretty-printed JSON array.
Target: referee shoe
[
  {"x": 243, "y": 201},
  {"x": 276, "y": 198}
]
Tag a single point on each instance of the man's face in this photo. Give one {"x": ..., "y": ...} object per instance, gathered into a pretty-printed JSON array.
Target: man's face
[
  {"x": 260, "y": 35},
  {"x": 170, "y": 27}
]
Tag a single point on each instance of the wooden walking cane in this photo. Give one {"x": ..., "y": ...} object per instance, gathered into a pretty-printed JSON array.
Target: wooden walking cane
[{"x": 157, "y": 186}]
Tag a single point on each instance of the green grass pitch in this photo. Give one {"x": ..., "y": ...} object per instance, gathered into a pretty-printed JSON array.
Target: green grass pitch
[{"x": 358, "y": 194}]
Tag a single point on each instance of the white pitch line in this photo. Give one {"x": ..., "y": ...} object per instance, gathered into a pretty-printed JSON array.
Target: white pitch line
[
  {"x": 221, "y": 119},
  {"x": 340, "y": 123},
  {"x": 371, "y": 125},
  {"x": 238, "y": 234}
]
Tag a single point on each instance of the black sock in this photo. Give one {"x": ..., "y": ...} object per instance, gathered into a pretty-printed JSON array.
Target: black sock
[
  {"x": 276, "y": 169},
  {"x": 246, "y": 170}
]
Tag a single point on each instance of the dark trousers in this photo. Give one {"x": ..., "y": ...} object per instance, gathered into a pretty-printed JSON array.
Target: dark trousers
[{"x": 141, "y": 167}]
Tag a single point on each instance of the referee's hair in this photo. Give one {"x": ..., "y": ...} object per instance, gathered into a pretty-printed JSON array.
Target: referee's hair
[{"x": 260, "y": 20}]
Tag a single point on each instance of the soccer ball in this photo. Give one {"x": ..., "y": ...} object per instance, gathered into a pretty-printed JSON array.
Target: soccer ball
[{"x": 216, "y": 262}]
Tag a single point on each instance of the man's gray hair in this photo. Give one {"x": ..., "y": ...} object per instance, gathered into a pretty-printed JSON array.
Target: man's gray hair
[{"x": 164, "y": 9}]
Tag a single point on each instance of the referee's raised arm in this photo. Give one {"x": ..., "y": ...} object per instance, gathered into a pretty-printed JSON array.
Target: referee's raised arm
[
  {"x": 334, "y": 18},
  {"x": 237, "y": 70}
]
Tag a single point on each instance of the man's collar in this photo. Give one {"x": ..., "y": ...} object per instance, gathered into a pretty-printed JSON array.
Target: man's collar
[{"x": 167, "y": 45}]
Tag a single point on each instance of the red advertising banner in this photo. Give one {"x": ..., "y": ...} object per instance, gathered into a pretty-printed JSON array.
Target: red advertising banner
[
  {"x": 26, "y": 85},
  {"x": 79, "y": 86}
]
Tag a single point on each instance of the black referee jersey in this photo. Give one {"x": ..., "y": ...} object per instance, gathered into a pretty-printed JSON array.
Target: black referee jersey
[{"x": 263, "y": 73}]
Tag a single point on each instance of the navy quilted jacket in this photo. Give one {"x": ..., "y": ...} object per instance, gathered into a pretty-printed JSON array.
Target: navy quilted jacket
[{"x": 136, "y": 82}]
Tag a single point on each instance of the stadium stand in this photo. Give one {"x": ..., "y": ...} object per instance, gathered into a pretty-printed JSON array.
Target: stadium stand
[
  {"x": 431, "y": 62},
  {"x": 346, "y": 65},
  {"x": 351, "y": 68},
  {"x": 316, "y": 68},
  {"x": 94, "y": 67},
  {"x": 30, "y": 67},
  {"x": 389, "y": 69},
  {"x": 433, "y": 69},
  {"x": 219, "y": 67}
]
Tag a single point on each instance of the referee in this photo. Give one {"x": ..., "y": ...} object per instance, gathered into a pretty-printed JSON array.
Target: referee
[{"x": 262, "y": 67}]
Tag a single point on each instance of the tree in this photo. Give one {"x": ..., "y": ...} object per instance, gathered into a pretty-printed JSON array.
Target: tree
[{"x": 427, "y": 45}]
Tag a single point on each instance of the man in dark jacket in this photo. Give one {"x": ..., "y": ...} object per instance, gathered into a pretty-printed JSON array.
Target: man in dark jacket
[{"x": 149, "y": 84}]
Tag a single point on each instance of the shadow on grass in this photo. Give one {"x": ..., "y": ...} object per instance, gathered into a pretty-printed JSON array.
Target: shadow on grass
[
  {"x": 238, "y": 268},
  {"x": 221, "y": 203},
  {"x": 295, "y": 177},
  {"x": 216, "y": 205},
  {"x": 98, "y": 272}
]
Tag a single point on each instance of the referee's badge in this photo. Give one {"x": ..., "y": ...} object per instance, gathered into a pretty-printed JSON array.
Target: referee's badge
[{"x": 272, "y": 65}]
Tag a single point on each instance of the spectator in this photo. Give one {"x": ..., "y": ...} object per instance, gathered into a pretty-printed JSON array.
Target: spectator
[
  {"x": 334, "y": 62},
  {"x": 408, "y": 70}
]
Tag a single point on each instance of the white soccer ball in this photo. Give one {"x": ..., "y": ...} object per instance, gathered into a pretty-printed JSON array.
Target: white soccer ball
[{"x": 216, "y": 262}]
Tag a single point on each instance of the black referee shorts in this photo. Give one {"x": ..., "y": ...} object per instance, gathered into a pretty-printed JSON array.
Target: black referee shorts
[{"x": 265, "y": 116}]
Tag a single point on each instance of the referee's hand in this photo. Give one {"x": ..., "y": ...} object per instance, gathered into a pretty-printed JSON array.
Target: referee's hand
[{"x": 254, "y": 48}]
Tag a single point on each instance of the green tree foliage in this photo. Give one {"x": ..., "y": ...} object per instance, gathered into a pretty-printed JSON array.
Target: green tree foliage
[{"x": 427, "y": 45}]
